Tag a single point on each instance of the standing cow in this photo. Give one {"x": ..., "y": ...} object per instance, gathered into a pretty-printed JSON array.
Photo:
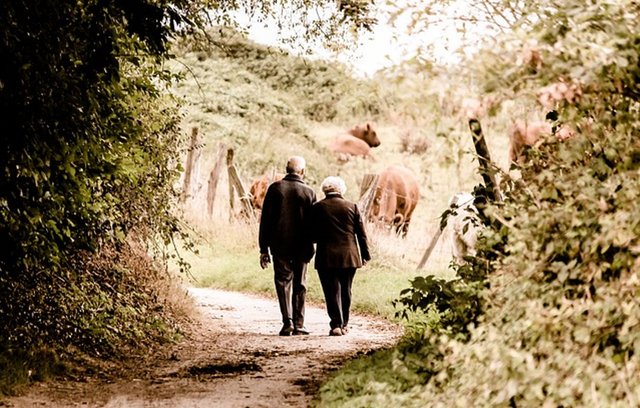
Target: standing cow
[
  {"x": 395, "y": 198},
  {"x": 259, "y": 188},
  {"x": 358, "y": 141}
]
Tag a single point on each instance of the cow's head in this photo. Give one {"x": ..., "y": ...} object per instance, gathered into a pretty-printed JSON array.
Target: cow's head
[
  {"x": 383, "y": 209},
  {"x": 366, "y": 133},
  {"x": 256, "y": 194}
]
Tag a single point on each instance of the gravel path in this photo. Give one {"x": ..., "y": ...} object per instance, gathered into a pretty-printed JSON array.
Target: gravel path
[{"x": 233, "y": 358}]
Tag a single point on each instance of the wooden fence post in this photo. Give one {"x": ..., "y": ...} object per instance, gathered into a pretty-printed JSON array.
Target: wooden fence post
[
  {"x": 487, "y": 170},
  {"x": 432, "y": 244},
  {"x": 214, "y": 176},
  {"x": 236, "y": 183},
  {"x": 193, "y": 155},
  {"x": 231, "y": 189},
  {"x": 367, "y": 193}
]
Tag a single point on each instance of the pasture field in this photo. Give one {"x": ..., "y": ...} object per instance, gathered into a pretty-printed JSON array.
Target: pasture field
[
  {"x": 228, "y": 259},
  {"x": 227, "y": 245},
  {"x": 234, "y": 102}
]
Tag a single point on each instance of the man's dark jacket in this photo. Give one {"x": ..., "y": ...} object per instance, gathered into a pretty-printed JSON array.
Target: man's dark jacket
[
  {"x": 338, "y": 230},
  {"x": 284, "y": 219}
]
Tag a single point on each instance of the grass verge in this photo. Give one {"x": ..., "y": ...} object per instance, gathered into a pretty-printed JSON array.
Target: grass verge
[
  {"x": 228, "y": 258},
  {"x": 18, "y": 368}
]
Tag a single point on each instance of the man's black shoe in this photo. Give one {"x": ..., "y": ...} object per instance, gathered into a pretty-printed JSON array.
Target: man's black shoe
[
  {"x": 300, "y": 331},
  {"x": 286, "y": 330}
]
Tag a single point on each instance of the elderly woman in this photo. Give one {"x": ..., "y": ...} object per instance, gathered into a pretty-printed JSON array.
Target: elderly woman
[{"x": 338, "y": 231}]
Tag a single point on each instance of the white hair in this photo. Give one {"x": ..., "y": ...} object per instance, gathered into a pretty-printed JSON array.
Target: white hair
[
  {"x": 333, "y": 184},
  {"x": 296, "y": 164}
]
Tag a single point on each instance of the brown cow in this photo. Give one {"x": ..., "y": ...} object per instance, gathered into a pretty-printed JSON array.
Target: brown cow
[
  {"x": 523, "y": 134},
  {"x": 395, "y": 199},
  {"x": 259, "y": 188},
  {"x": 477, "y": 108},
  {"x": 358, "y": 141}
]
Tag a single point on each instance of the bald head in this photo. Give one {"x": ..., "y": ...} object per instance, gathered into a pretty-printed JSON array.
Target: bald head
[{"x": 296, "y": 165}]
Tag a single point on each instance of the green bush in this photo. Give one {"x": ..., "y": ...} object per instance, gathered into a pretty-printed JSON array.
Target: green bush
[
  {"x": 87, "y": 170},
  {"x": 322, "y": 91},
  {"x": 559, "y": 317}
]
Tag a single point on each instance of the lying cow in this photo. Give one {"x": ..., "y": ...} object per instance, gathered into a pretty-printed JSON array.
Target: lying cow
[
  {"x": 358, "y": 141},
  {"x": 558, "y": 93},
  {"x": 476, "y": 108},
  {"x": 464, "y": 226},
  {"x": 259, "y": 188},
  {"x": 523, "y": 135},
  {"x": 395, "y": 198}
]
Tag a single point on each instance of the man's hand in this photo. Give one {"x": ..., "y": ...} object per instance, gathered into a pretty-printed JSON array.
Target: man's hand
[{"x": 265, "y": 259}]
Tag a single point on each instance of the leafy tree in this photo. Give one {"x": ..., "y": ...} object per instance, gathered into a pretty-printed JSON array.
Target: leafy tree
[
  {"x": 91, "y": 147},
  {"x": 86, "y": 145}
]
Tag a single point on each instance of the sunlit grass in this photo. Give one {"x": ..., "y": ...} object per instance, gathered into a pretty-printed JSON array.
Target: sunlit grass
[
  {"x": 228, "y": 258},
  {"x": 228, "y": 252}
]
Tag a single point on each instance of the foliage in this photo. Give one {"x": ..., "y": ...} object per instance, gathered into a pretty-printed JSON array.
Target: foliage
[
  {"x": 305, "y": 25},
  {"x": 90, "y": 157},
  {"x": 17, "y": 365},
  {"x": 456, "y": 302},
  {"x": 560, "y": 315},
  {"x": 86, "y": 150},
  {"x": 325, "y": 91}
]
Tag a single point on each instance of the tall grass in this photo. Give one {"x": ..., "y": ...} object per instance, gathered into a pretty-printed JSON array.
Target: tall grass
[{"x": 20, "y": 367}]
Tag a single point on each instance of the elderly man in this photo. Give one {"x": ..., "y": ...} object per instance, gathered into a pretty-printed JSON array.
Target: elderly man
[
  {"x": 283, "y": 221},
  {"x": 338, "y": 230}
]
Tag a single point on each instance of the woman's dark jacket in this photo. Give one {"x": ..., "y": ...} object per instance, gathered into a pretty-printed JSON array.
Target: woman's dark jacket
[{"x": 338, "y": 230}]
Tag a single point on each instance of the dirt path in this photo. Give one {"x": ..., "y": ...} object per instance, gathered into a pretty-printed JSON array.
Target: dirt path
[{"x": 234, "y": 358}]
